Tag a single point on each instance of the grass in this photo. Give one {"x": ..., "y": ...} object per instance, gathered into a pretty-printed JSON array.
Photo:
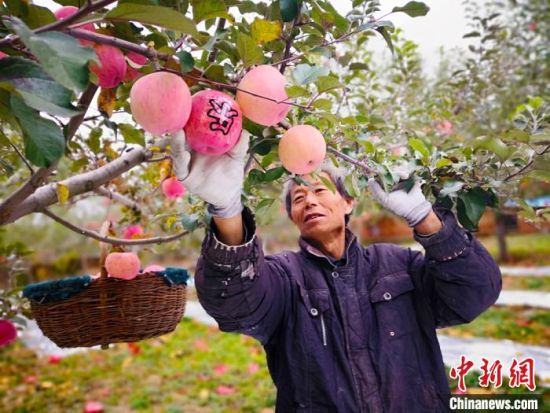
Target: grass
[
  {"x": 518, "y": 323},
  {"x": 524, "y": 249},
  {"x": 196, "y": 369},
  {"x": 526, "y": 283}
]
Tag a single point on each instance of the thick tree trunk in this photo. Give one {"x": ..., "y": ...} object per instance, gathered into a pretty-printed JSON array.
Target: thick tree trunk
[{"x": 501, "y": 238}]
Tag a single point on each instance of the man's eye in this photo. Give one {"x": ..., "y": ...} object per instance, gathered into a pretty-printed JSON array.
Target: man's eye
[
  {"x": 320, "y": 190},
  {"x": 298, "y": 198}
]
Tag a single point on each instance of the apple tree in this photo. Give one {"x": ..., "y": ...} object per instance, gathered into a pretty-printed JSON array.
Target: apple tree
[{"x": 67, "y": 131}]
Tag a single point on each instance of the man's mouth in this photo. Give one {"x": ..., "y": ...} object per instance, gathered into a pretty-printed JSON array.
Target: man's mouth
[{"x": 312, "y": 216}]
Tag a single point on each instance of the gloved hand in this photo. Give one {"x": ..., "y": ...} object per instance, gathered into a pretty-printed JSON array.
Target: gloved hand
[
  {"x": 412, "y": 205},
  {"x": 216, "y": 179}
]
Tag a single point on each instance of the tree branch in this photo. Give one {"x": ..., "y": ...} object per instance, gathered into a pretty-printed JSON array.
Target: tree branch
[
  {"x": 112, "y": 240},
  {"x": 16, "y": 149},
  {"x": 67, "y": 21},
  {"x": 288, "y": 45},
  {"x": 351, "y": 160},
  {"x": 151, "y": 53},
  {"x": 79, "y": 184},
  {"x": 214, "y": 52},
  {"x": 527, "y": 165},
  {"x": 115, "y": 196}
]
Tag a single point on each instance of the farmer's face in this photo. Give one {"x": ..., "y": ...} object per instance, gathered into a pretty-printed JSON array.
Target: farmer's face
[{"x": 316, "y": 210}]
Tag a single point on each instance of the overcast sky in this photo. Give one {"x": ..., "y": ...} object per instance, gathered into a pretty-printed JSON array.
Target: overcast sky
[{"x": 444, "y": 25}]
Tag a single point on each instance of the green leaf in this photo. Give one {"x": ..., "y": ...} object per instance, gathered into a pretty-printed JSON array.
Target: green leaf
[
  {"x": 304, "y": 73},
  {"x": 470, "y": 207},
  {"x": 350, "y": 183},
  {"x": 273, "y": 174},
  {"x": 535, "y": 102},
  {"x": 165, "y": 17},
  {"x": 44, "y": 141},
  {"x": 186, "y": 61},
  {"x": 266, "y": 211},
  {"x": 131, "y": 134},
  {"x": 443, "y": 162},
  {"x": 358, "y": 66},
  {"x": 471, "y": 34},
  {"x": 208, "y": 9},
  {"x": 216, "y": 73},
  {"x": 542, "y": 138},
  {"x": 60, "y": 55},
  {"x": 419, "y": 146},
  {"x": 450, "y": 187},
  {"x": 295, "y": 91},
  {"x": 494, "y": 145},
  {"x": 384, "y": 32},
  {"x": 516, "y": 135},
  {"x": 189, "y": 222},
  {"x": 289, "y": 9},
  {"x": 325, "y": 83},
  {"x": 413, "y": 9},
  {"x": 249, "y": 51},
  {"x": 38, "y": 90},
  {"x": 328, "y": 183},
  {"x": 93, "y": 140},
  {"x": 323, "y": 104},
  {"x": 264, "y": 31},
  {"x": 37, "y": 16}
]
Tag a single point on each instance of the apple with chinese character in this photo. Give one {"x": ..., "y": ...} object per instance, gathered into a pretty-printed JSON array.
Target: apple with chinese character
[{"x": 215, "y": 123}]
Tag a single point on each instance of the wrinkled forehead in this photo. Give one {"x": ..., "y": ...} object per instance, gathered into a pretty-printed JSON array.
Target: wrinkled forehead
[{"x": 313, "y": 180}]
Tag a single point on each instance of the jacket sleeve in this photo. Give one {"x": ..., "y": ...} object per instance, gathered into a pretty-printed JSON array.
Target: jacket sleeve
[
  {"x": 241, "y": 289},
  {"x": 457, "y": 275}
]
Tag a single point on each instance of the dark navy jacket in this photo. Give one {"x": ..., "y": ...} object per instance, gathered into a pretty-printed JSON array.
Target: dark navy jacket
[{"x": 358, "y": 334}]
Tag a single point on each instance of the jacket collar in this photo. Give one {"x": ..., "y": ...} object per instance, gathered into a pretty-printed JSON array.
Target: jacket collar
[{"x": 351, "y": 242}]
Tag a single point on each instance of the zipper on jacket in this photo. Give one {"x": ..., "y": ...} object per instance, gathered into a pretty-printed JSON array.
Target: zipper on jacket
[{"x": 323, "y": 330}]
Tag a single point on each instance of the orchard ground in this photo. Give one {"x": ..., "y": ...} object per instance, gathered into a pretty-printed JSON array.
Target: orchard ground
[{"x": 199, "y": 369}]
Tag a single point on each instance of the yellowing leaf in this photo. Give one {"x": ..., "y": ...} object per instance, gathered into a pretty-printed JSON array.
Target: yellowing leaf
[
  {"x": 106, "y": 101},
  {"x": 62, "y": 193},
  {"x": 165, "y": 169},
  {"x": 265, "y": 31},
  {"x": 171, "y": 220},
  {"x": 126, "y": 362}
]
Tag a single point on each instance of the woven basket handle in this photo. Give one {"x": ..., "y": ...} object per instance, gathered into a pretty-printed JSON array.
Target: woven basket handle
[
  {"x": 103, "y": 252},
  {"x": 104, "y": 247}
]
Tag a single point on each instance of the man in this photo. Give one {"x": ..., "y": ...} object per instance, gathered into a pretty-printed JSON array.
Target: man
[{"x": 345, "y": 328}]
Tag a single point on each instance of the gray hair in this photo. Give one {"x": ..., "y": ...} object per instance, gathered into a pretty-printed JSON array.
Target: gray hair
[{"x": 337, "y": 176}]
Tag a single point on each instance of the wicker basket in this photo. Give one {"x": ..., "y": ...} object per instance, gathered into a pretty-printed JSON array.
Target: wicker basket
[{"x": 85, "y": 311}]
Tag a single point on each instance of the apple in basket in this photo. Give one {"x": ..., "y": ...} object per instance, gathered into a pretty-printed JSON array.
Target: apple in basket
[
  {"x": 123, "y": 265},
  {"x": 153, "y": 268}
]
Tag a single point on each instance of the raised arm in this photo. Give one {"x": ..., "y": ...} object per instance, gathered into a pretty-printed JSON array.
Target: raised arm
[
  {"x": 243, "y": 290},
  {"x": 230, "y": 230},
  {"x": 457, "y": 275},
  {"x": 236, "y": 285}
]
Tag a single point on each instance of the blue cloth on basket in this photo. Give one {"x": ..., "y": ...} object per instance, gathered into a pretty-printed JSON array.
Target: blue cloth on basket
[
  {"x": 56, "y": 290},
  {"x": 174, "y": 276}
]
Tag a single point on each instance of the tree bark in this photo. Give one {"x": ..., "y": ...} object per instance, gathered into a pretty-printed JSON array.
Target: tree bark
[
  {"x": 79, "y": 184},
  {"x": 501, "y": 237}
]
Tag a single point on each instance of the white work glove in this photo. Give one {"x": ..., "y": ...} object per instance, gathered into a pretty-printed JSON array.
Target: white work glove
[
  {"x": 411, "y": 206},
  {"x": 216, "y": 179}
]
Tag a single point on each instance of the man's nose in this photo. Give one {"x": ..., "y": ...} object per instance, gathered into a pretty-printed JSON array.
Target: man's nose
[{"x": 310, "y": 199}]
